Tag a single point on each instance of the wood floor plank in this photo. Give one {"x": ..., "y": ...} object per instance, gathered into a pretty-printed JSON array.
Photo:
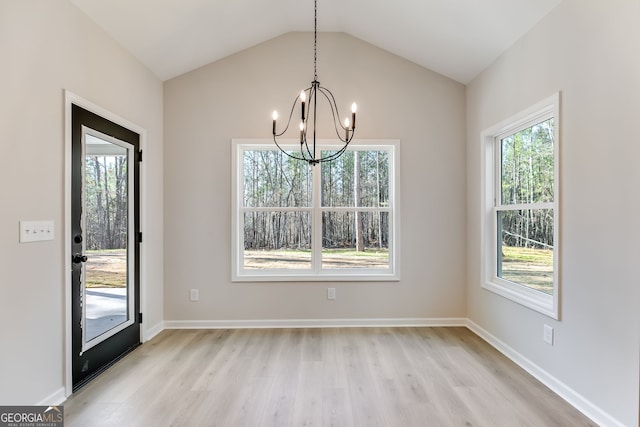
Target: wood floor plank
[
  {"x": 366, "y": 407},
  {"x": 307, "y": 409},
  {"x": 312, "y": 345},
  {"x": 336, "y": 408},
  {"x": 393, "y": 404},
  {"x": 382, "y": 353},
  {"x": 278, "y": 410},
  {"x": 334, "y": 375},
  {"x": 318, "y": 377},
  {"x": 247, "y": 406}
]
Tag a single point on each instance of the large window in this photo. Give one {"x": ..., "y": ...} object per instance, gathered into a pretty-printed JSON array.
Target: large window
[
  {"x": 332, "y": 221},
  {"x": 520, "y": 227}
]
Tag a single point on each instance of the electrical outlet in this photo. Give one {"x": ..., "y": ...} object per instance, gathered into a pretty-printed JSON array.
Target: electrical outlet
[
  {"x": 548, "y": 334},
  {"x": 194, "y": 295},
  {"x": 331, "y": 293}
]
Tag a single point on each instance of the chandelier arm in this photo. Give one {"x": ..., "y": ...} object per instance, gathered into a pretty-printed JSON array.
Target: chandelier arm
[
  {"x": 307, "y": 156},
  {"x": 312, "y": 99},
  {"x": 302, "y": 156},
  {"x": 332, "y": 101},
  {"x": 339, "y": 152},
  {"x": 334, "y": 113},
  {"x": 336, "y": 154},
  {"x": 285, "y": 152},
  {"x": 293, "y": 107}
]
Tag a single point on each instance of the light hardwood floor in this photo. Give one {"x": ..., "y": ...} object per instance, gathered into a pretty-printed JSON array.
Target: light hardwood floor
[{"x": 393, "y": 377}]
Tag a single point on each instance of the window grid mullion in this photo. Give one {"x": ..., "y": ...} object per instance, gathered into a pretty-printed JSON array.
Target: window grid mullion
[
  {"x": 525, "y": 206},
  {"x": 316, "y": 218},
  {"x": 275, "y": 209}
]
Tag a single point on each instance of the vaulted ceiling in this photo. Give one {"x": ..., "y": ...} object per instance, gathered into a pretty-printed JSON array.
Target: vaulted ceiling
[{"x": 457, "y": 38}]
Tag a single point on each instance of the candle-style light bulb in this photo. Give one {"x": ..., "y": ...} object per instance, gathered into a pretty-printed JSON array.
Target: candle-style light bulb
[
  {"x": 303, "y": 97},
  {"x": 346, "y": 129},
  {"x": 275, "y": 117},
  {"x": 354, "y": 107}
]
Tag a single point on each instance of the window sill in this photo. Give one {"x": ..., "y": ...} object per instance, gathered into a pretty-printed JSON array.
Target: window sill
[
  {"x": 535, "y": 300},
  {"x": 312, "y": 277}
]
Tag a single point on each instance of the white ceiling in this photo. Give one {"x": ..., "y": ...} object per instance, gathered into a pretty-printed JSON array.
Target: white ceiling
[{"x": 457, "y": 38}]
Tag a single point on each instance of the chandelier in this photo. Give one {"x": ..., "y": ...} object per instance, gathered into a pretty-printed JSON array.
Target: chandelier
[{"x": 308, "y": 100}]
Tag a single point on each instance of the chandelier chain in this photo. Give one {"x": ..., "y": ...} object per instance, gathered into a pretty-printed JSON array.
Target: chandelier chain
[{"x": 315, "y": 40}]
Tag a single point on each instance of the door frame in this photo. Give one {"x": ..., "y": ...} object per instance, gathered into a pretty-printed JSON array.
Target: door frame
[{"x": 69, "y": 99}]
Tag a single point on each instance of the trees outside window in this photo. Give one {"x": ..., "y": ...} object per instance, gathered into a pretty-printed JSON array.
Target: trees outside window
[
  {"x": 332, "y": 221},
  {"x": 524, "y": 209},
  {"x": 520, "y": 227},
  {"x": 106, "y": 182}
]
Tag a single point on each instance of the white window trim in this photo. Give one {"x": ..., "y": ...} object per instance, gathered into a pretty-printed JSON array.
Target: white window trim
[
  {"x": 535, "y": 300},
  {"x": 239, "y": 274}
]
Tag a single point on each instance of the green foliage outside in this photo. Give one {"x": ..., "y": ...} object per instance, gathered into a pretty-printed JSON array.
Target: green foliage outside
[
  {"x": 369, "y": 253},
  {"x": 106, "y": 268},
  {"x": 542, "y": 257},
  {"x": 300, "y": 259},
  {"x": 528, "y": 267}
]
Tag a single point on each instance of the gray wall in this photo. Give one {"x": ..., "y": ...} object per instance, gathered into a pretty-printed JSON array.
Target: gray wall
[
  {"x": 46, "y": 47},
  {"x": 234, "y": 98},
  {"x": 589, "y": 51}
]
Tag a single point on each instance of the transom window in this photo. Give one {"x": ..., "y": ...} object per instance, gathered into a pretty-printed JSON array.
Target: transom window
[
  {"x": 332, "y": 221},
  {"x": 521, "y": 193}
]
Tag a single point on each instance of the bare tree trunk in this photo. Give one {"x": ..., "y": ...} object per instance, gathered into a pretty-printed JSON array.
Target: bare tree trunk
[
  {"x": 378, "y": 201},
  {"x": 120, "y": 226},
  {"x": 100, "y": 236},
  {"x": 107, "y": 211},
  {"x": 356, "y": 195}
]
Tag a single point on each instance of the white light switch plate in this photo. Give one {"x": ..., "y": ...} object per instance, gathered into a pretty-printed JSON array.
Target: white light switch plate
[{"x": 36, "y": 231}]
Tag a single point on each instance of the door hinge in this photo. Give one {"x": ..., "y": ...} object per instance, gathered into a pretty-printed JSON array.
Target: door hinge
[
  {"x": 140, "y": 237},
  {"x": 140, "y": 156},
  {"x": 139, "y": 317}
]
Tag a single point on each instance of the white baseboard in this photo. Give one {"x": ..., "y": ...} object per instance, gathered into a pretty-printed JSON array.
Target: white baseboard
[
  {"x": 561, "y": 389},
  {"x": 149, "y": 333},
  {"x": 312, "y": 323},
  {"x": 55, "y": 398}
]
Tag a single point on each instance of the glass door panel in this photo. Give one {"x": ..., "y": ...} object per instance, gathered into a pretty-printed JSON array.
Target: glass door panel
[{"x": 106, "y": 278}]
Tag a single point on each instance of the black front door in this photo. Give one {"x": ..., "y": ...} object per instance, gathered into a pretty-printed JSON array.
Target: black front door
[{"x": 105, "y": 243}]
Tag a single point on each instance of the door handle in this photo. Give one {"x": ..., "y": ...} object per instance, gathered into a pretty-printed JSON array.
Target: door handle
[{"x": 78, "y": 258}]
